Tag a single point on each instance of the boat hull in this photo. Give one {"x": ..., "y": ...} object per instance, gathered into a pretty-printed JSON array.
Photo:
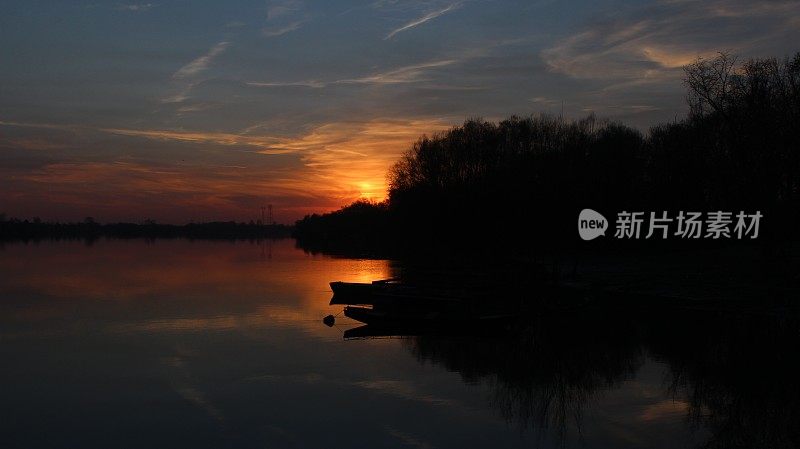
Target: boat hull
[{"x": 422, "y": 318}]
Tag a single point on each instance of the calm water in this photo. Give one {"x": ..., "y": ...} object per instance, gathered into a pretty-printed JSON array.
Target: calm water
[{"x": 215, "y": 344}]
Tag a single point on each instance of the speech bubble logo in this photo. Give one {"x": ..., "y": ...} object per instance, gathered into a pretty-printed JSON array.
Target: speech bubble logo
[{"x": 591, "y": 224}]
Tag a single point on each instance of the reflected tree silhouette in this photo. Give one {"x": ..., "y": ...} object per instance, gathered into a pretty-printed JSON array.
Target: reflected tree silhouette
[
  {"x": 544, "y": 375},
  {"x": 738, "y": 372},
  {"x": 740, "y": 376}
]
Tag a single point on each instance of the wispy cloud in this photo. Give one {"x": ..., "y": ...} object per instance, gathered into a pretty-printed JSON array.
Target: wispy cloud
[
  {"x": 334, "y": 164},
  {"x": 180, "y": 96},
  {"x": 407, "y": 74},
  {"x": 309, "y": 83},
  {"x": 348, "y": 160},
  {"x": 652, "y": 43},
  {"x": 137, "y": 7},
  {"x": 38, "y": 125},
  {"x": 31, "y": 143},
  {"x": 261, "y": 144},
  {"x": 186, "y": 78},
  {"x": 284, "y": 16},
  {"x": 202, "y": 63},
  {"x": 423, "y": 19},
  {"x": 272, "y": 31},
  {"x": 182, "y": 110},
  {"x": 277, "y": 9}
]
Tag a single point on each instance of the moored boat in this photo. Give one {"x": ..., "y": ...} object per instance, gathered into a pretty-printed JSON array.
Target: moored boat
[
  {"x": 360, "y": 292},
  {"x": 388, "y": 291},
  {"x": 423, "y": 317}
]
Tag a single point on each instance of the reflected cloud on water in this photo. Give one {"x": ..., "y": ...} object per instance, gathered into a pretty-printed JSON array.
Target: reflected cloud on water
[{"x": 146, "y": 341}]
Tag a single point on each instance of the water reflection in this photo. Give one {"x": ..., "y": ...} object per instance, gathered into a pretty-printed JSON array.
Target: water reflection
[
  {"x": 196, "y": 286},
  {"x": 214, "y": 344},
  {"x": 544, "y": 376},
  {"x": 739, "y": 373},
  {"x": 731, "y": 375}
]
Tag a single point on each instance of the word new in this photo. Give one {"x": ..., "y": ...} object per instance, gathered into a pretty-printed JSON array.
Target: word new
[{"x": 591, "y": 224}]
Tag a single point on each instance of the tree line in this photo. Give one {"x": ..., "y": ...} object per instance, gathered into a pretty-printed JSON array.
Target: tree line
[
  {"x": 520, "y": 183},
  {"x": 32, "y": 230}
]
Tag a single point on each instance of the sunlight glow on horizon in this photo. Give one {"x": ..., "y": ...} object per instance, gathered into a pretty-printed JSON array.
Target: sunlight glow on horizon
[
  {"x": 339, "y": 163},
  {"x": 211, "y": 111}
]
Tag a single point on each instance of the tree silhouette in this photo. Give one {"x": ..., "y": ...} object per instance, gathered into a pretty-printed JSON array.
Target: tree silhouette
[{"x": 523, "y": 180}]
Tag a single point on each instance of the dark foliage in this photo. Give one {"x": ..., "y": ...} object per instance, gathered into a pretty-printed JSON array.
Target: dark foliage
[
  {"x": 520, "y": 183},
  {"x": 361, "y": 226},
  {"x": 518, "y": 180}
]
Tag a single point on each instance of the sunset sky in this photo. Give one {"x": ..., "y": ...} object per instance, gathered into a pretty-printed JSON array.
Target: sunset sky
[{"x": 206, "y": 110}]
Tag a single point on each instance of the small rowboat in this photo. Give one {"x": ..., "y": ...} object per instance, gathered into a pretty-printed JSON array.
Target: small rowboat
[
  {"x": 384, "y": 292},
  {"x": 423, "y": 317},
  {"x": 367, "y": 331},
  {"x": 358, "y": 292}
]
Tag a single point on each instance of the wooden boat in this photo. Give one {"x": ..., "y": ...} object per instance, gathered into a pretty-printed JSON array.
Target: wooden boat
[
  {"x": 423, "y": 317},
  {"x": 385, "y": 291},
  {"x": 358, "y": 291},
  {"x": 371, "y": 331}
]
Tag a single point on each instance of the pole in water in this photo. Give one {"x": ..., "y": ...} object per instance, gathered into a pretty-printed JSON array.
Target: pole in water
[{"x": 329, "y": 320}]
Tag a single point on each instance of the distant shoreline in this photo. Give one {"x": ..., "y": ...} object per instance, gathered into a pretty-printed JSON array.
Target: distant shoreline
[{"x": 25, "y": 230}]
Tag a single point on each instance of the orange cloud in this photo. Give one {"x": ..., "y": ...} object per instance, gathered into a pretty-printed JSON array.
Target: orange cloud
[
  {"x": 350, "y": 160},
  {"x": 336, "y": 163},
  {"x": 267, "y": 144}
]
